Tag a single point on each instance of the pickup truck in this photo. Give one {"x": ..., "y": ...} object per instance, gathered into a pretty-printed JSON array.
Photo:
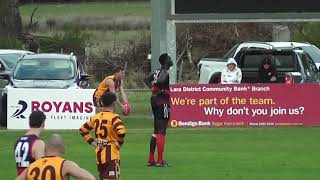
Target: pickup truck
[
  {"x": 293, "y": 66},
  {"x": 209, "y": 69}
]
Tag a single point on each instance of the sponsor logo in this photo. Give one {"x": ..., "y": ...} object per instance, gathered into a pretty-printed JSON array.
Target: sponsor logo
[
  {"x": 112, "y": 173},
  {"x": 62, "y": 107},
  {"x": 174, "y": 123},
  {"x": 56, "y": 110},
  {"x": 20, "y": 109}
]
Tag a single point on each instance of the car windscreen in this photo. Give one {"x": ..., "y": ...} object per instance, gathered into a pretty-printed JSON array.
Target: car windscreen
[
  {"x": 10, "y": 59},
  {"x": 313, "y": 52},
  {"x": 286, "y": 62},
  {"x": 44, "y": 69}
]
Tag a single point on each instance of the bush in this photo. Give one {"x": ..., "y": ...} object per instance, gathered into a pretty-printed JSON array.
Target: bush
[
  {"x": 10, "y": 43},
  {"x": 310, "y": 32},
  {"x": 73, "y": 40},
  {"x": 133, "y": 53}
]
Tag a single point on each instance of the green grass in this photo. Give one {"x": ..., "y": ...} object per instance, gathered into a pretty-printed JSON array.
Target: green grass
[
  {"x": 224, "y": 154},
  {"x": 89, "y": 9},
  {"x": 283, "y": 153}
]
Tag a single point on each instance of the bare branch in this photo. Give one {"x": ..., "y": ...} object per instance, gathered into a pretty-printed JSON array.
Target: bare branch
[{"x": 31, "y": 18}]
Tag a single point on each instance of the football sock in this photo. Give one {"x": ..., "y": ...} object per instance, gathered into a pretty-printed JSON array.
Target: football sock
[
  {"x": 153, "y": 144},
  {"x": 160, "y": 144}
]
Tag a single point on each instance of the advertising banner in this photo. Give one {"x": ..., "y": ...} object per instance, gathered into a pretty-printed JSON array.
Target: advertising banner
[
  {"x": 64, "y": 109},
  {"x": 244, "y": 105}
]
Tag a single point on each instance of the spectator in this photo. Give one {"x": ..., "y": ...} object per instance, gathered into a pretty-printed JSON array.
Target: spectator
[
  {"x": 267, "y": 72},
  {"x": 232, "y": 74}
]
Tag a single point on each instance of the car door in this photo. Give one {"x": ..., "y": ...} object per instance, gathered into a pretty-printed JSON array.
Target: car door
[
  {"x": 313, "y": 70},
  {"x": 310, "y": 69}
]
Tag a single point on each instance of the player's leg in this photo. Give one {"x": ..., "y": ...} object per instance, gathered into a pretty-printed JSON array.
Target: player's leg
[
  {"x": 161, "y": 140},
  {"x": 153, "y": 143},
  {"x": 162, "y": 129},
  {"x": 109, "y": 171}
]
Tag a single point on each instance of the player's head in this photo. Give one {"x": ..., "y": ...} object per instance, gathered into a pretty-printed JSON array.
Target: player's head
[
  {"x": 108, "y": 99},
  {"x": 119, "y": 72},
  {"x": 165, "y": 61},
  {"x": 36, "y": 119},
  {"x": 55, "y": 145}
]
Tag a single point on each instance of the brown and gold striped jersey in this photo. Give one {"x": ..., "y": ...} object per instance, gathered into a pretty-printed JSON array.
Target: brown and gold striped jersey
[
  {"x": 103, "y": 86},
  {"x": 49, "y": 167},
  {"x": 108, "y": 129}
]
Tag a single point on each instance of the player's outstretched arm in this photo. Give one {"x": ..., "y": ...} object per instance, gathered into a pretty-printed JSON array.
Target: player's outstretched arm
[
  {"x": 112, "y": 89},
  {"x": 70, "y": 168},
  {"x": 148, "y": 79},
  {"x": 23, "y": 175},
  {"x": 123, "y": 93},
  {"x": 38, "y": 149}
]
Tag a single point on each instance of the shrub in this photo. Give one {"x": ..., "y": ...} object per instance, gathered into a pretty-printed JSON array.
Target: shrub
[{"x": 10, "y": 43}]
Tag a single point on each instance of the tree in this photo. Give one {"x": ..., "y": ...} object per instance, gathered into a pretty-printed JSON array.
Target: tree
[
  {"x": 309, "y": 32},
  {"x": 10, "y": 19}
]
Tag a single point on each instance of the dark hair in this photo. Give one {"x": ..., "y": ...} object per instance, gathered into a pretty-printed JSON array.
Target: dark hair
[
  {"x": 163, "y": 58},
  {"x": 117, "y": 69},
  {"x": 266, "y": 60},
  {"x": 36, "y": 119},
  {"x": 108, "y": 98}
]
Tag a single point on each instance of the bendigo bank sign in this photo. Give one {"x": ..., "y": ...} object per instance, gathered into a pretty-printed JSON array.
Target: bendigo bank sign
[{"x": 245, "y": 105}]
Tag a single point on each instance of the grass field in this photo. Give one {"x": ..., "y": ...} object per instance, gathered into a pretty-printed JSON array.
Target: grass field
[
  {"x": 284, "y": 153},
  {"x": 89, "y": 9},
  {"x": 227, "y": 154}
]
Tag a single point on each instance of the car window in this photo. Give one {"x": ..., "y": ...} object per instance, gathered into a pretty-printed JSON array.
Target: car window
[
  {"x": 280, "y": 61},
  {"x": 231, "y": 52},
  {"x": 304, "y": 61},
  {"x": 44, "y": 69},
  {"x": 308, "y": 63},
  {"x": 313, "y": 52},
  {"x": 10, "y": 59}
]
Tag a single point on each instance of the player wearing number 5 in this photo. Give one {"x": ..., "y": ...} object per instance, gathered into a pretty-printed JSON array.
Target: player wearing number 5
[
  {"x": 109, "y": 132},
  {"x": 29, "y": 147},
  {"x": 53, "y": 166}
]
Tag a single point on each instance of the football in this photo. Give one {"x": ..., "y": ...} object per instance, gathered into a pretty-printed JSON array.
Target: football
[{"x": 126, "y": 110}]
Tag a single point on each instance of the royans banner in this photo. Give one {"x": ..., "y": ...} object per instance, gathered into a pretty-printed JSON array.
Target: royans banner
[
  {"x": 218, "y": 105},
  {"x": 64, "y": 109}
]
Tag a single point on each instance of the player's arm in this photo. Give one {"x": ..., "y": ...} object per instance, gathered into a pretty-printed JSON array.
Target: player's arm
[
  {"x": 38, "y": 149},
  {"x": 120, "y": 129},
  {"x": 70, "y": 168},
  {"x": 122, "y": 93},
  {"x": 112, "y": 89},
  {"x": 163, "y": 77},
  {"x": 23, "y": 175},
  {"x": 148, "y": 79},
  {"x": 85, "y": 132}
]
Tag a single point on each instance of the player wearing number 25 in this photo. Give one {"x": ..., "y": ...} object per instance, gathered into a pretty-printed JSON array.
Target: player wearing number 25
[
  {"x": 109, "y": 132},
  {"x": 53, "y": 166},
  {"x": 29, "y": 147}
]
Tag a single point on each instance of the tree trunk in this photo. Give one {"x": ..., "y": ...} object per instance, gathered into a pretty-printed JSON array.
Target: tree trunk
[{"x": 10, "y": 19}]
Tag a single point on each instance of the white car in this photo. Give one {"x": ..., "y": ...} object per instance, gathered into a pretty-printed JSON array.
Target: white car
[
  {"x": 209, "y": 69},
  {"x": 9, "y": 58}
]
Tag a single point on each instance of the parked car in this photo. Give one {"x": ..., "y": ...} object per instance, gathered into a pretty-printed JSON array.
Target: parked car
[
  {"x": 9, "y": 58},
  {"x": 209, "y": 69},
  {"x": 45, "y": 71},
  {"x": 293, "y": 66},
  {"x": 54, "y": 71}
]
